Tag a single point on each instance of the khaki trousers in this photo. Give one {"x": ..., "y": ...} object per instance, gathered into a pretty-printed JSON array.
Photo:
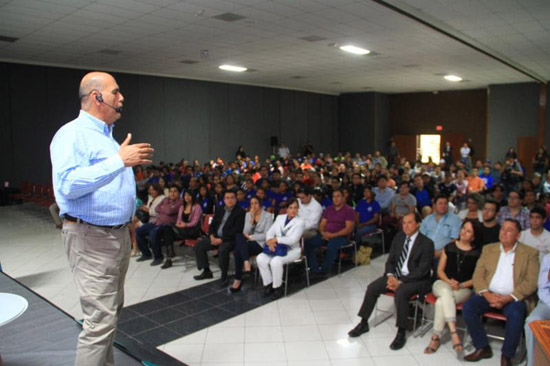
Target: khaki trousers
[
  {"x": 99, "y": 260},
  {"x": 445, "y": 306}
]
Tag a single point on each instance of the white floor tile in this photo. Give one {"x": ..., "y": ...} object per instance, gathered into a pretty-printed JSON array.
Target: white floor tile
[
  {"x": 268, "y": 334},
  {"x": 256, "y": 352},
  {"x": 301, "y": 333},
  {"x": 225, "y": 352},
  {"x": 408, "y": 360},
  {"x": 222, "y": 335},
  {"x": 305, "y": 351}
]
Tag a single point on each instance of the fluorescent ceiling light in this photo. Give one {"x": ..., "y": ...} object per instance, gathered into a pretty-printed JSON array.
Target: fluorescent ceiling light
[
  {"x": 233, "y": 68},
  {"x": 452, "y": 78},
  {"x": 355, "y": 50}
]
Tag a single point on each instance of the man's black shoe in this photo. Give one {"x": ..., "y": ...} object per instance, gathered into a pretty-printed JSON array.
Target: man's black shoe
[
  {"x": 157, "y": 262},
  {"x": 361, "y": 328},
  {"x": 399, "y": 341},
  {"x": 144, "y": 258},
  {"x": 167, "y": 264},
  {"x": 204, "y": 275}
]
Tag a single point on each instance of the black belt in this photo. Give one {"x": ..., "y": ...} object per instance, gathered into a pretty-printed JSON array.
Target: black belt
[{"x": 80, "y": 221}]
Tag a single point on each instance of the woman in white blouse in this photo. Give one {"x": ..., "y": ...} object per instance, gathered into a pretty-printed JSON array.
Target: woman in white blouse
[{"x": 283, "y": 236}]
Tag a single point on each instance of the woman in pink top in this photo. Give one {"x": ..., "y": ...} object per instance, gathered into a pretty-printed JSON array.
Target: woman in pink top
[{"x": 188, "y": 226}]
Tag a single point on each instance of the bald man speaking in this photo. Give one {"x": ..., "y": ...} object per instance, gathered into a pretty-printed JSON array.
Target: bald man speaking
[{"x": 96, "y": 192}]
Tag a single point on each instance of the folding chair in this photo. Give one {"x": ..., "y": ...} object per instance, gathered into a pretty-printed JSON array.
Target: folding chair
[
  {"x": 376, "y": 232},
  {"x": 303, "y": 259},
  {"x": 413, "y": 299},
  {"x": 351, "y": 244}
]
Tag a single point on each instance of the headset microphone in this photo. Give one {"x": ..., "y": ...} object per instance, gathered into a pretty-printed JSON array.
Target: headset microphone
[{"x": 99, "y": 98}]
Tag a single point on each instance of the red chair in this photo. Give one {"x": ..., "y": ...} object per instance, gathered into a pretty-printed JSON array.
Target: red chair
[{"x": 413, "y": 299}]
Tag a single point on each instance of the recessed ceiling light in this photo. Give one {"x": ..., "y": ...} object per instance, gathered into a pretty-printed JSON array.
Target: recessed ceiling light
[
  {"x": 452, "y": 78},
  {"x": 233, "y": 68},
  {"x": 355, "y": 50}
]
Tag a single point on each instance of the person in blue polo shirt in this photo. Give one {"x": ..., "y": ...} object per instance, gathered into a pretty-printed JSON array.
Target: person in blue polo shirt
[
  {"x": 441, "y": 226},
  {"x": 423, "y": 197},
  {"x": 367, "y": 214}
]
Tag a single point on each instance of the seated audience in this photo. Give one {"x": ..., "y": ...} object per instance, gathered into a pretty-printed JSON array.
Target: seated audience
[
  {"x": 542, "y": 311},
  {"x": 335, "y": 228},
  {"x": 227, "y": 223},
  {"x": 447, "y": 187},
  {"x": 487, "y": 178},
  {"x": 474, "y": 202},
  {"x": 442, "y": 226},
  {"x": 455, "y": 270},
  {"x": 167, "y": 214},
  {"x": 475, "y": 183},
  {"x": 265, "y": 202},
  {"x": 356, "y": 188},
  {"x": 529, "y": 199},
  {"x": 490, "y": 225},
  {"x": 251, "y": 241},
  {"x": 367, "y": 215},
  {"x": 514, "y": 210},
  {"x": 205, "y": 200},
  {"x": 383, "y": 194},
  {"x": 423, "y": 196},
  {"x": 241, "y": 199},
  {"x": 407, "y": 272},
  {"x": 537, "y": 236},
  {"x": 402, "y": 204},
  {"x": 310, "y": 211},
  {"x": 505, "y": 279},
  {"x": 282, "y": 246},
  {"x": 188, "y": 226}
]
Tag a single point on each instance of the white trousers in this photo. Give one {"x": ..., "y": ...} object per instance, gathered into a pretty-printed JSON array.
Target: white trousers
[
  {"x": 445, "y": 306},
  {"x": 99, "y": 260},
  {"x": 271, "y": 267}
]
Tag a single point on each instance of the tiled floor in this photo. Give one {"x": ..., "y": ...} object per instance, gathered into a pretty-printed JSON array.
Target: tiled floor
[{"x": 307, "y": 328}]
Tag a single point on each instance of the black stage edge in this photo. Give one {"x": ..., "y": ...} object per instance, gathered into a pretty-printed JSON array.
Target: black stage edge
[{"x": 47, "y": 336}]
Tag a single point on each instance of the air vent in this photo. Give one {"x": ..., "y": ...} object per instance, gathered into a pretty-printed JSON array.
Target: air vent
[
  {"x": 189, "y": 62},
  {"x": 229, "y": 17},
  {"x": 410, "y": 66},
  {"x": 297, "y": 77}
]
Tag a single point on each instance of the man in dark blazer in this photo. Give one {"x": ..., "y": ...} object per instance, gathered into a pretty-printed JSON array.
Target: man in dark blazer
[
  {"x": 227, "y": 223},
  {"x": 407, "y": 273}
]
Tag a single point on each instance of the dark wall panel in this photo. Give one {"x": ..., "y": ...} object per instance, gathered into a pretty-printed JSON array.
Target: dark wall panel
[
  {"x": 6, "y": 139},
  {"x": 356, "y": 122},
  {"x": 381, "y": 122},
  {"x": 459, "y": 112},
  {"x": 180, "y": 118},
  {"x": 28, "y": 90},
  {"x": 513, "y": 112}
]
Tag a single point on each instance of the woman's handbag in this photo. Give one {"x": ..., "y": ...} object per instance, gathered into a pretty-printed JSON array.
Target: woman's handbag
[
  {"x": 142, "y": 216},
  {"x": 280, "y": 250}
]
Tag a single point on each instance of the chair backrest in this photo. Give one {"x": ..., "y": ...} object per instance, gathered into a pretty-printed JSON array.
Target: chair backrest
[{"x": 206, "y": 223}]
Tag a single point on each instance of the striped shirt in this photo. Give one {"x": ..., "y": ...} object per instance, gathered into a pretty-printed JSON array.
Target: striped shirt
[{"x": 89, "y": 178}]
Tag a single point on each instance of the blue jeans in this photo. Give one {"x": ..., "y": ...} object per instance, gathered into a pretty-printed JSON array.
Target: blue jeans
[
  {"x": 364, "y": 231},
  {"x": 155, "y": 234},
  {"x": 315, "y": 242},
  {"x": 515, "y": 313}
]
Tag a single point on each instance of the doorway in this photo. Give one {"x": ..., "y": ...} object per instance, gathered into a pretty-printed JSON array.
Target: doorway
[{"x": 429, "y": 147}]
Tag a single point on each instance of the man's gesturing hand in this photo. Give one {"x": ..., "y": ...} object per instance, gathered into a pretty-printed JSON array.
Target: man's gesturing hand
[{"x": 135, "y": 154}]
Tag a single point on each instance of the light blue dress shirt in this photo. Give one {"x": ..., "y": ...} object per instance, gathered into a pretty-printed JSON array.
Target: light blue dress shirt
[
  {"x": 384, "y": 198},
  {"x": 544, "y": 280},
  {"x": 442, "y": 232},
  {"x": 90, "y": 180}
]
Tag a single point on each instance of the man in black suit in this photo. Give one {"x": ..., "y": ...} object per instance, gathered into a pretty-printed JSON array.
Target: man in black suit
[
  {"x": 227, "y": 223},
  {"x": 407, "y": 273}
]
